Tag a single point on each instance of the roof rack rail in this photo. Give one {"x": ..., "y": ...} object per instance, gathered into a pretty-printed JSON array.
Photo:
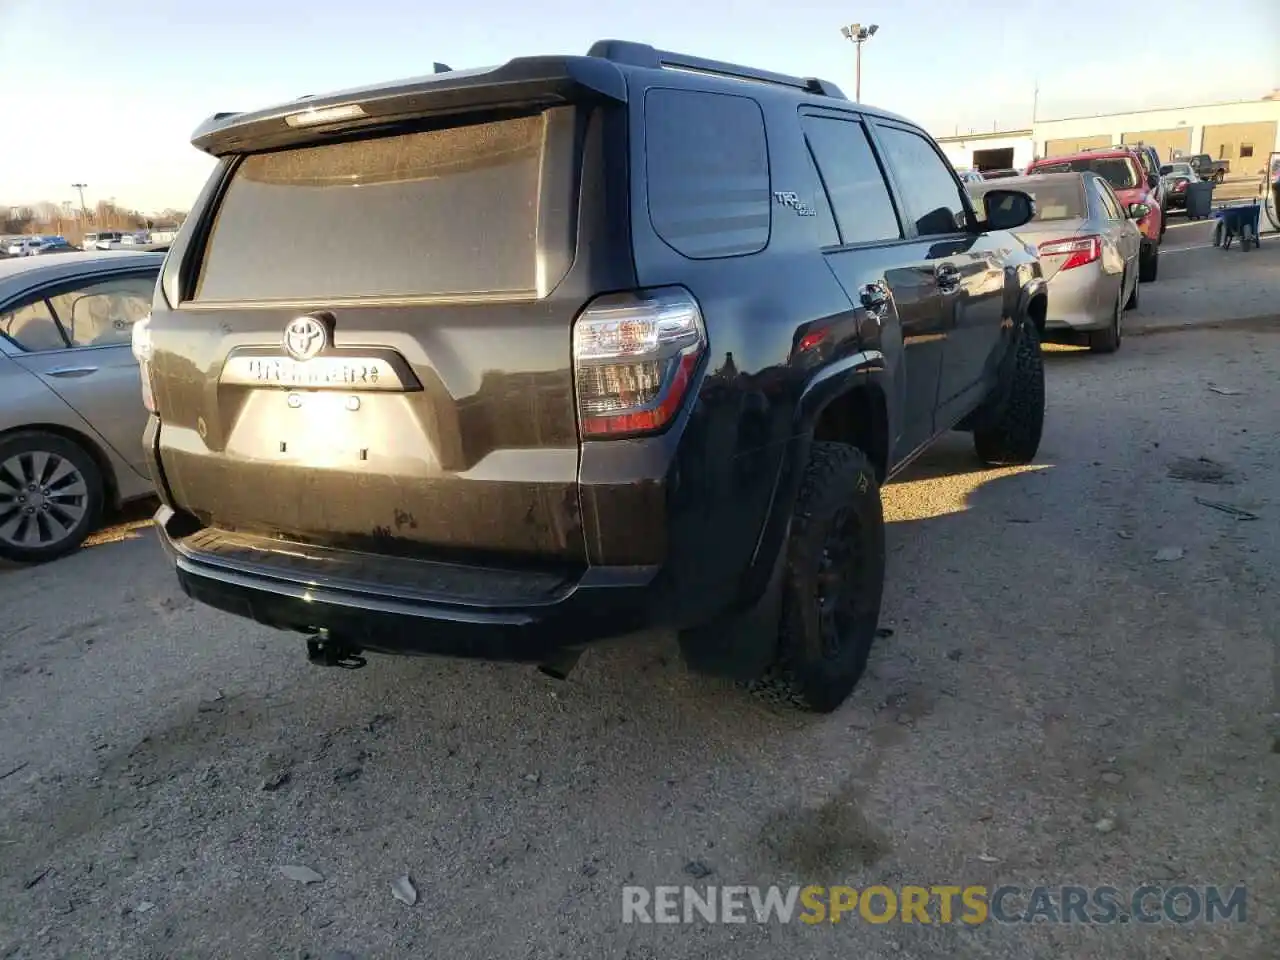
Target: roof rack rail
[{"x": 647, "y": 56}]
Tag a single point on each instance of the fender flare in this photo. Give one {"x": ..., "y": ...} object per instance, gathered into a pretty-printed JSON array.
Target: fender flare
[
  {"x": 827, "y": 385},
  {"x": 1036, "y": 287},
  {"x": 835, "y": 380}
]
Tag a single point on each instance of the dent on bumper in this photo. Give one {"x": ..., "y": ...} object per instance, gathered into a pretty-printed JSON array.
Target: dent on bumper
[
  {"x": 1076, "y": 301},
  {"x": 603, "y": 602}
]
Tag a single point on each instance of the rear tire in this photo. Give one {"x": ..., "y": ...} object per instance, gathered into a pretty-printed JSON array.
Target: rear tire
[
  {"x": 1219, "y": 176},
  {"x": 1014, "y": 438},
  {"x": 47, "y": 522},
  {"x": 833, "y": 583},
  {"x": 1108, "y": 340},
  {"x": 1148, "y": 264}
]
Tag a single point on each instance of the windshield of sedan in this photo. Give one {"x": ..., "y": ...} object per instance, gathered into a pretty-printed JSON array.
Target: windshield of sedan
[
  {"x": 1181, "y": 170},
  {"x": 1120, "y": 172}
]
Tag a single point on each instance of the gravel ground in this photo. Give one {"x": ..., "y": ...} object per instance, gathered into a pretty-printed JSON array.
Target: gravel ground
[
  {"x": 1201, "y": 284},
  {"x": 1044, "y": 673}
]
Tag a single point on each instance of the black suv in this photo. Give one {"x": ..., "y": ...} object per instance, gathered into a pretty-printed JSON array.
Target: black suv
[{"x": 497, "y": 362}]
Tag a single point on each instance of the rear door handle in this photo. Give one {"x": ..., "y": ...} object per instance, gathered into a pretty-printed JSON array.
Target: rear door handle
[
  {"x": 72, "y": 371},
  {"x": 947, "y": 277}
]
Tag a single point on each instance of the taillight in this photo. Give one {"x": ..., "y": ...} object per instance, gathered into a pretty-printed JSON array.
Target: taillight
[
  {"x": 634, "y": 357},
  {"x": 1180, "y": 185},
  {"x": 142, "y": 353},
  {"x": 1077, "y": 250}
]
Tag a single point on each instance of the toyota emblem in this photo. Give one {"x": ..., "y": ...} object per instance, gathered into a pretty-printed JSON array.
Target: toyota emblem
[{"x": 305, "y": 337}]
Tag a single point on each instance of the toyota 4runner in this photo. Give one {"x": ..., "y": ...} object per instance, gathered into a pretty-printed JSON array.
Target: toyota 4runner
[{"x": 497, "y": 362}]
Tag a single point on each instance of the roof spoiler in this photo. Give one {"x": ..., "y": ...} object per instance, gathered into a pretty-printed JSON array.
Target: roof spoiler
[{"x": 525, "y": 81}]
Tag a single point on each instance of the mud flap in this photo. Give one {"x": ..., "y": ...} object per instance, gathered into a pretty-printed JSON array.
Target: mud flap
[{"x": 743, "y": 645}]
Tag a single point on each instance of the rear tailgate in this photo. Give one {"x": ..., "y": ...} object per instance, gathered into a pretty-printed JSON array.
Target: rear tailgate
[{"x": 434, "y": 270}]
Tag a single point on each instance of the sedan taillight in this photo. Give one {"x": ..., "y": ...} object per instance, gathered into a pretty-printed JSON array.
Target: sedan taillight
[
  {"x": 1078, "y": 250},
  {"x": 141, "y": 342},
  {"x": 634, "y": 359}
]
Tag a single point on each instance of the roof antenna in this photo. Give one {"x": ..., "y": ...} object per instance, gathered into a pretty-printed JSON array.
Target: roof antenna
[{"x": 441, "y": 68}]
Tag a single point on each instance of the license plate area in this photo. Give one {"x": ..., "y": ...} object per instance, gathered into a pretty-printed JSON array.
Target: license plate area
[{"x": 347, "y": 372}]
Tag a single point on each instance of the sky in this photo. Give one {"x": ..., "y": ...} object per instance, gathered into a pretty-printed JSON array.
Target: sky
[{"x": 108, "y": 93}]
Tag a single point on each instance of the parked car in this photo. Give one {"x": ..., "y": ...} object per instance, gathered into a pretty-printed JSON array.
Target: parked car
[
  {"x": 70, "y": 418},
  {"x": 1088, "y": 245},
  {"x": 1208, "y": 168},
  {"x": 104, "y": 240},
  {"x": 1123, "y": 169},
  {"x": 56, "y": 245},
  {"x": 636, "y": 352},
  {"x": 1000, "y": 174},
  {"x": 25, "y": 246},
  {"x": 1177, "y": 177},
  {"x": 1150, "y": 159}
]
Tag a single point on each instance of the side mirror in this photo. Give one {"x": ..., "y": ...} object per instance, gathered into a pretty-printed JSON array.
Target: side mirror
[
  {"x": 1008, "y": 209},
  {"x": 1152, "y": 180},
  {"x": 1137, "y": 211},
  {"x": 1167, "y": 168}
]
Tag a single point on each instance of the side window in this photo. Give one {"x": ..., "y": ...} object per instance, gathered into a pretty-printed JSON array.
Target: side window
[
  {"x": 855, "y": 184},
  {"x": 707, "y": 161},
  {"x": 929, "y": 189},
  {"x": 103, "y": 312},
  {"x": 828, "y": 233},
  {"x": 1109, "y": 202},
  {"x": 32, "y": 327}
]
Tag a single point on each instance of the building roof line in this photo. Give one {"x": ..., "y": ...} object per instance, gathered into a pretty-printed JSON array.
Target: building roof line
[
  {"x": 991, "y": 135},
  {"x": 1122, "y": 113}
]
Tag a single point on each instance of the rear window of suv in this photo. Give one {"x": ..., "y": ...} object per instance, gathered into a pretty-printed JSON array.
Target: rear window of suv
[
  {"x": 1054, "y": 201},
  {"x": 428, "y": 213},
  {"x": 1120, "y": 172}
]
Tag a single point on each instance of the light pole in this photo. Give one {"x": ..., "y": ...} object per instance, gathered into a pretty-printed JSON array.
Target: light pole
[
  {"x": 859, "y": 35},
  {"x": 84, "y": 211}
]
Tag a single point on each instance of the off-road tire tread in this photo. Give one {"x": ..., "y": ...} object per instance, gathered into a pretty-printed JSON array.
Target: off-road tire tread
[
  {"x": 1015, "y": 437},
  {"x": 831, "y": 479}
]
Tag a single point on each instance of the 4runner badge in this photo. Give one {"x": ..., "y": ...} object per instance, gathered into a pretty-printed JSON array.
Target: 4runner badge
[
  {"x": 304, "y": 337},
  {"x": 792, "y": 200}
]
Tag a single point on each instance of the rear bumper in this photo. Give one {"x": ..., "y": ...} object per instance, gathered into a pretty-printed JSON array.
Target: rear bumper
[
  {"x": 493, "y": 615},
  {"x": 1079, "y": 299}
]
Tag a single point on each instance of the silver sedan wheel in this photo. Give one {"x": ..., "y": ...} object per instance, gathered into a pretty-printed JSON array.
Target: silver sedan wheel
[{"x": 43, "y": 499}]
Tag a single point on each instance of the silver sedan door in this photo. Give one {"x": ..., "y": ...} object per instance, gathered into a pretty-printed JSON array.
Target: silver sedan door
[
  {"x": 1121, "y": 239},
  {"x": 1124, "y": 233},
  {"x": 95, "y": 372}
]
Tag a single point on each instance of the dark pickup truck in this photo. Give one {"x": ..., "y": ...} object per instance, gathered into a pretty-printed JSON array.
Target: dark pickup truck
[{"x": 1208, "y": 168}]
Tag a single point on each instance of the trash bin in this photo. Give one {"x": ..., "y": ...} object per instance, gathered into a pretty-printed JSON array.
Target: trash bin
[{"x": 1199, "y": 200}]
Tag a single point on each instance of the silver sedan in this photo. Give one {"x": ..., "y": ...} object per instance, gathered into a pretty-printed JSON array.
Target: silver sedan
[
  {"x": 71, "y": 413},
  {"x": 1088, "y": 243}
]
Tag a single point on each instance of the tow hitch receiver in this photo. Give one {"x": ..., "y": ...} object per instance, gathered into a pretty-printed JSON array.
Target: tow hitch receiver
[{"x": 326, "y": 651}]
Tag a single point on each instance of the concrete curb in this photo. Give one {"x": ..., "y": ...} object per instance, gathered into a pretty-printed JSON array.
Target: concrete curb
[{"x": 1136, "y": 330}]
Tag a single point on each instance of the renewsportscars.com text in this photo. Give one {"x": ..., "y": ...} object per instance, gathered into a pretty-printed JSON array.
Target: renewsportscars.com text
[{"x": 970, "y": 904}]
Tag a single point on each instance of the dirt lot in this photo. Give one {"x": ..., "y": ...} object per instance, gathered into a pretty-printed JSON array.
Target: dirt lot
[{"x": 1045, "y": 675}]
